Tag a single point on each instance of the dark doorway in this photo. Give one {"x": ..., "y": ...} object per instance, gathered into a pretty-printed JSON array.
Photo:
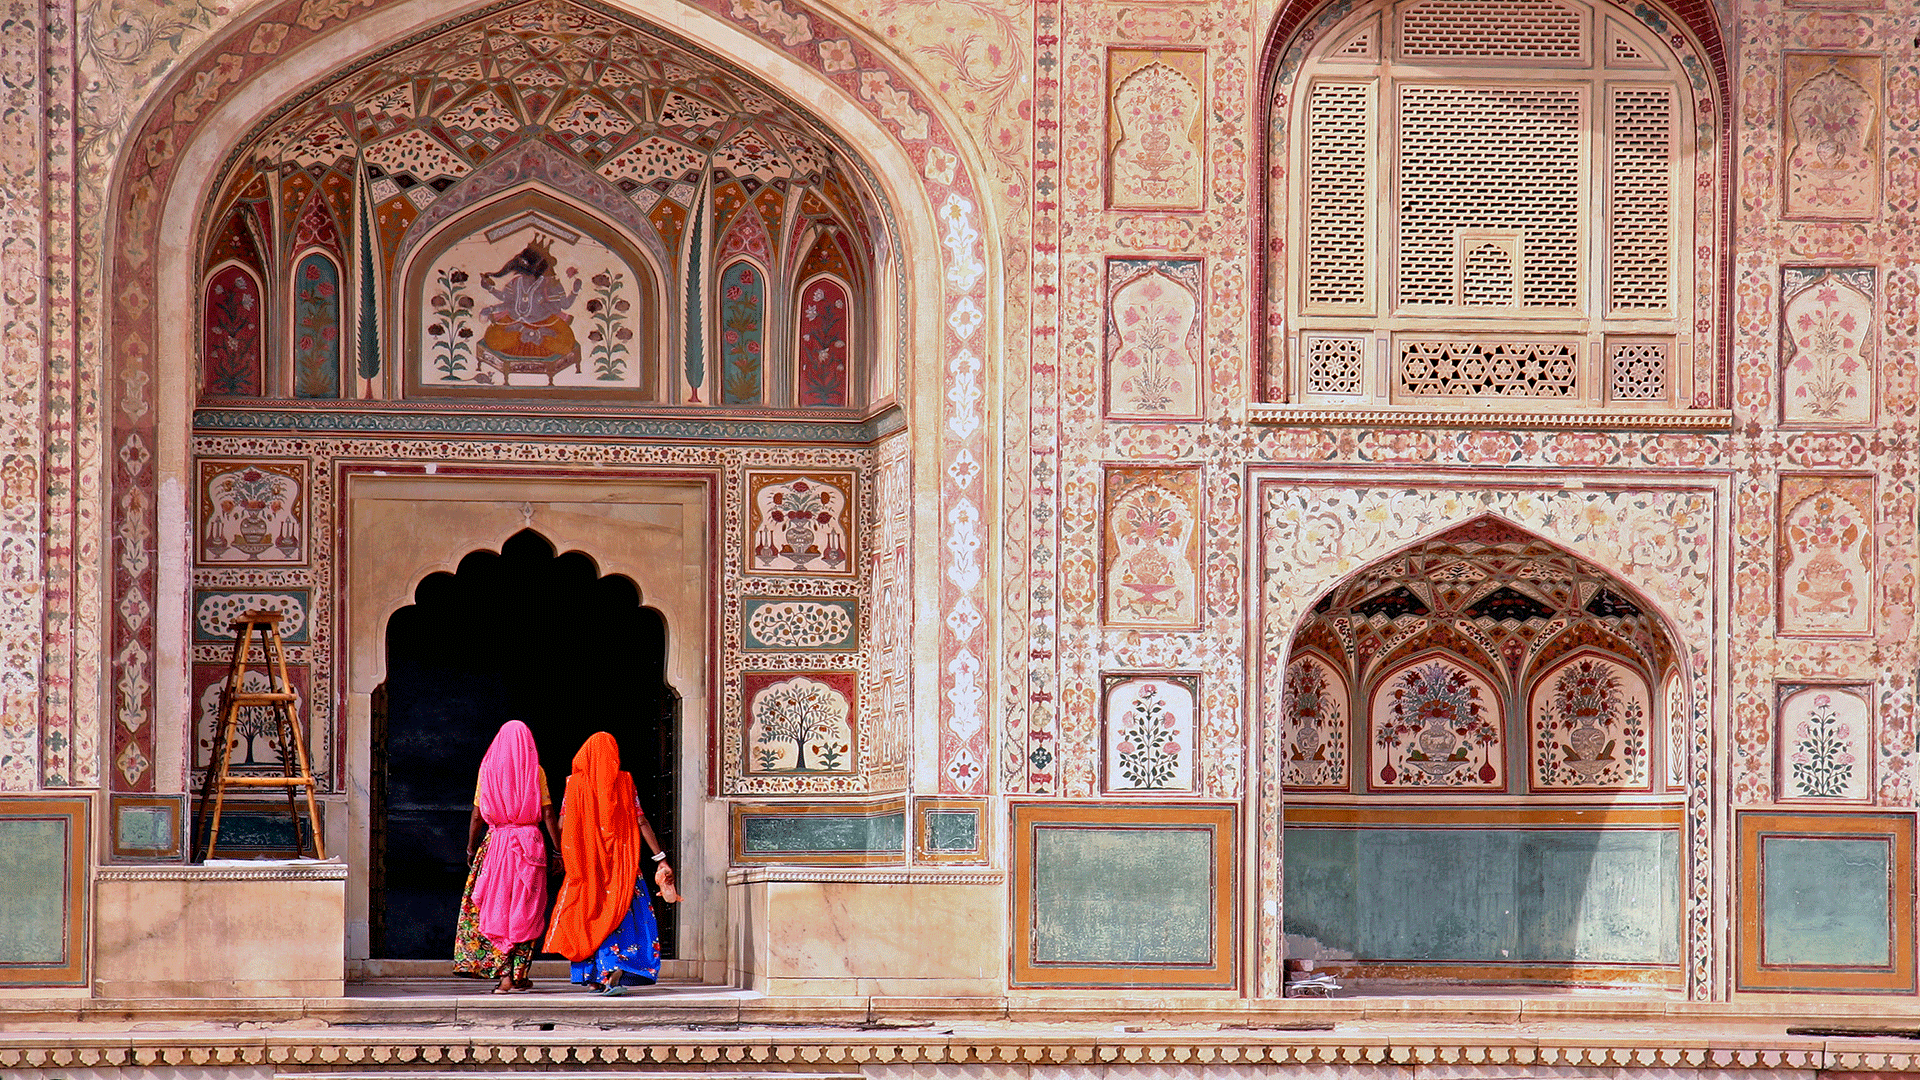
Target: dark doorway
[{"x": 518, "y": 634}]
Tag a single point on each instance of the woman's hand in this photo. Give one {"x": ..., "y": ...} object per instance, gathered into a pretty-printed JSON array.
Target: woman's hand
[{"x": 663, "y": 877}]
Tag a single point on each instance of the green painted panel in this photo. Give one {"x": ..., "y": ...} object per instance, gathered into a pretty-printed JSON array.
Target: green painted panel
[
  {"x": 953, "y": 830},
  {"x": 33, "y": 891},
  {"x": 145, "y": 828},
  {"x": 1122, "y": 895},
  {"x": 1522, "y": 895},
  {"x": 824, "y": 834},
  {"x": 1824, "y": 901}
]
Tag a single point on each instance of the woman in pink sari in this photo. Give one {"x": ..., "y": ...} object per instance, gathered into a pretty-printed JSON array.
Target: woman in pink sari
[{"x": 504, "y": 910}]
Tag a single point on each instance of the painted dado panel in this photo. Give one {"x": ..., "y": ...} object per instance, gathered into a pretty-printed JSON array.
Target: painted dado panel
[
  {"x": 1826, "y": 902},
  {"x": 1123, "y": 895},
  {"x": 1507, "y": 890},
  {"x": 43, "y": 893}
]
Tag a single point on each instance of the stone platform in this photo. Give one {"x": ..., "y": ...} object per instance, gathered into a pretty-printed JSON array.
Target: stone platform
[{"x": 413, "y": 1029}]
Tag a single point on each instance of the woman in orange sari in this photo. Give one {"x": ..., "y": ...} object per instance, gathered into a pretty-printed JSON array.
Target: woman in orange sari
[{"x": 603, "y": 918}]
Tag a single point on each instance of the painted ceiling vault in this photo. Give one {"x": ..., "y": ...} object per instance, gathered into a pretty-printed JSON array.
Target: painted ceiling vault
[
  {"x": 1509, "y": 601},
  {"x": 597, "y": 106}
]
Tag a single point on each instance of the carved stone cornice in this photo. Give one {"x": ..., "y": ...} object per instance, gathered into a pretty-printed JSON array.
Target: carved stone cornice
[
  {"x": 266, "y": 871},
  {"x": 1701, "y": 421}
]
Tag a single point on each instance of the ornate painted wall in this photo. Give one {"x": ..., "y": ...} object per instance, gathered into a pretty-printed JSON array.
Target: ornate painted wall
[{"x": 1089, "y": 491}]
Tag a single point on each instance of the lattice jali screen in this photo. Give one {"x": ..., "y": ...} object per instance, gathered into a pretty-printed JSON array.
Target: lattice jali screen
[
  {"x": 1335, "y": 364},
  {"x": 1471, "y": 30},
  {"x": 1640, "y": 198},
  {"x": 1490, "y": 157},
  {"x": 1431, "y": 368},
  {"x": 1339, "y": 183},
  {"x": 1637, "y": 370}
]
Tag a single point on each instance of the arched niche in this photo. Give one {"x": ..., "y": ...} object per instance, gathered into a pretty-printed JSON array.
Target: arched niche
[
  {"x": 1473, "y": 655},
  {"x": 529, "y": 294}
]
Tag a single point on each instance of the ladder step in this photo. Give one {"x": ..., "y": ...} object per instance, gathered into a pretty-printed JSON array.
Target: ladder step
[
  {"x": 264, "y": 698},
  {"x": 269, "y": 781}
]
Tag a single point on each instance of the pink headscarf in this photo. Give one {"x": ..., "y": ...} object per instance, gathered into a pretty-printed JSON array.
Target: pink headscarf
[{"x": 511, "y": 889}]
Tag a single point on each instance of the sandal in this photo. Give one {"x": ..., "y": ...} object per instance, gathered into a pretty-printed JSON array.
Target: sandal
[{"x": 521, "y": 986}]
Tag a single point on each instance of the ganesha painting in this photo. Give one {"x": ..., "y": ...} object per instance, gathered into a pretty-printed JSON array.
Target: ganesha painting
[{"x": 531, "y": 308}]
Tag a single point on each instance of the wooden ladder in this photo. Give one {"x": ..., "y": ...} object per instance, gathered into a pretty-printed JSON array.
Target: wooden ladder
[{"x": 279, "y": 698}]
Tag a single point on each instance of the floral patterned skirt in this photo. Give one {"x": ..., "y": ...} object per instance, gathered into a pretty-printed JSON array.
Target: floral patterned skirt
[
  {"x": 473, "y": 955},
  {"x": 631, "y": 954}
]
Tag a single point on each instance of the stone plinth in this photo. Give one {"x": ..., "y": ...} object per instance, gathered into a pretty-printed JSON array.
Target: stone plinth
[
  {"x": 225, "y": 930},
  {"x": 854, "y": 933}
]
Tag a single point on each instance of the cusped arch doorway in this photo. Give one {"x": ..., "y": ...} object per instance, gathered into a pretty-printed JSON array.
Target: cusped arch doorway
[{"x": 523, "y": 633}]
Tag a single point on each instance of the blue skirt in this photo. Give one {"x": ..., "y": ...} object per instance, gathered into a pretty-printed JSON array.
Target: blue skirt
[{"x": 630, "y": 956}]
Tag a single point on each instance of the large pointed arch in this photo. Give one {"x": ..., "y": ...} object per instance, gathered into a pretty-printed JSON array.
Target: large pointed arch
[{"x": 947, "y": 308}]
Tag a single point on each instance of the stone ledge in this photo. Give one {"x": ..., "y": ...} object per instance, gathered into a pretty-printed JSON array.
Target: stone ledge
[{"x": 749, "y": 875}]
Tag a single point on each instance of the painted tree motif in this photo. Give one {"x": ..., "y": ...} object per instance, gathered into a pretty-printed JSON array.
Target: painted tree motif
[
  {"x": 316, "y": 327},
  {"x": 611, "y": 335},
  {"x": 451, "y": 331},
  {"x": 823, "y": 343},
  {"x": 231, "y": 335},
  {"x": 1824, "y": 742},
  {"x": 791, "y": 718},
  {"x": 1822, "y": 765},
  {"x": 742, "y": 332},
  {"x": 1150, "y": 725},
  {"x": 1153, "y": 369},
  {"x": 1828, "y": 372}
]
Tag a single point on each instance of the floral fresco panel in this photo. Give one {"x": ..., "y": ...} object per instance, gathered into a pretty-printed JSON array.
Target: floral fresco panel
[
  {"x": 799, "y": 723},
  {"x": 1824, "y": 748},
  {"x": 801, "y": 523},
  {"x": 1153, "y": 334},
  {"x": 1150, "y": 726},
  {"x": 1152, "y": 566},
  {"x": 1436, "y": 723},
  {"x": 1589, "y": 723},
  {"x": 825, "y": 327},
  {"x": 1155, "y": 154},
  {"x": 1313, "y": 701},
  {"x": 1832, "y": 120},
  {"x": 1827, "y": 343},
  {"x": 252, "y": 513},
  {"x": 316, "y": 327},
  {"x": 1826, "y": 554},
  {"x": 231, "y": 339},
  {"x": 743, "y": 325}
]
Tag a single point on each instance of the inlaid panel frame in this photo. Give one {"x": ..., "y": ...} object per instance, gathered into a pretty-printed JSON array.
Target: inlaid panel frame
[
  {"x": 925, "y": 848},
  {"x": 72, "y": 819},
  {"x": 1753, "y": 973},
  {"x": 1867, "y": 694},
  {"x": 1219, "y": 824}
]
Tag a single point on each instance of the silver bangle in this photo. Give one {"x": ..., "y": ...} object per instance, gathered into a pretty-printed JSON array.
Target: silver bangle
[{"x": 660, "y": 856}]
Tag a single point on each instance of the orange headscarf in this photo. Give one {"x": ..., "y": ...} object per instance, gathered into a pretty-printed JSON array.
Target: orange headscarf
[{"x": 600, "y": 839}]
